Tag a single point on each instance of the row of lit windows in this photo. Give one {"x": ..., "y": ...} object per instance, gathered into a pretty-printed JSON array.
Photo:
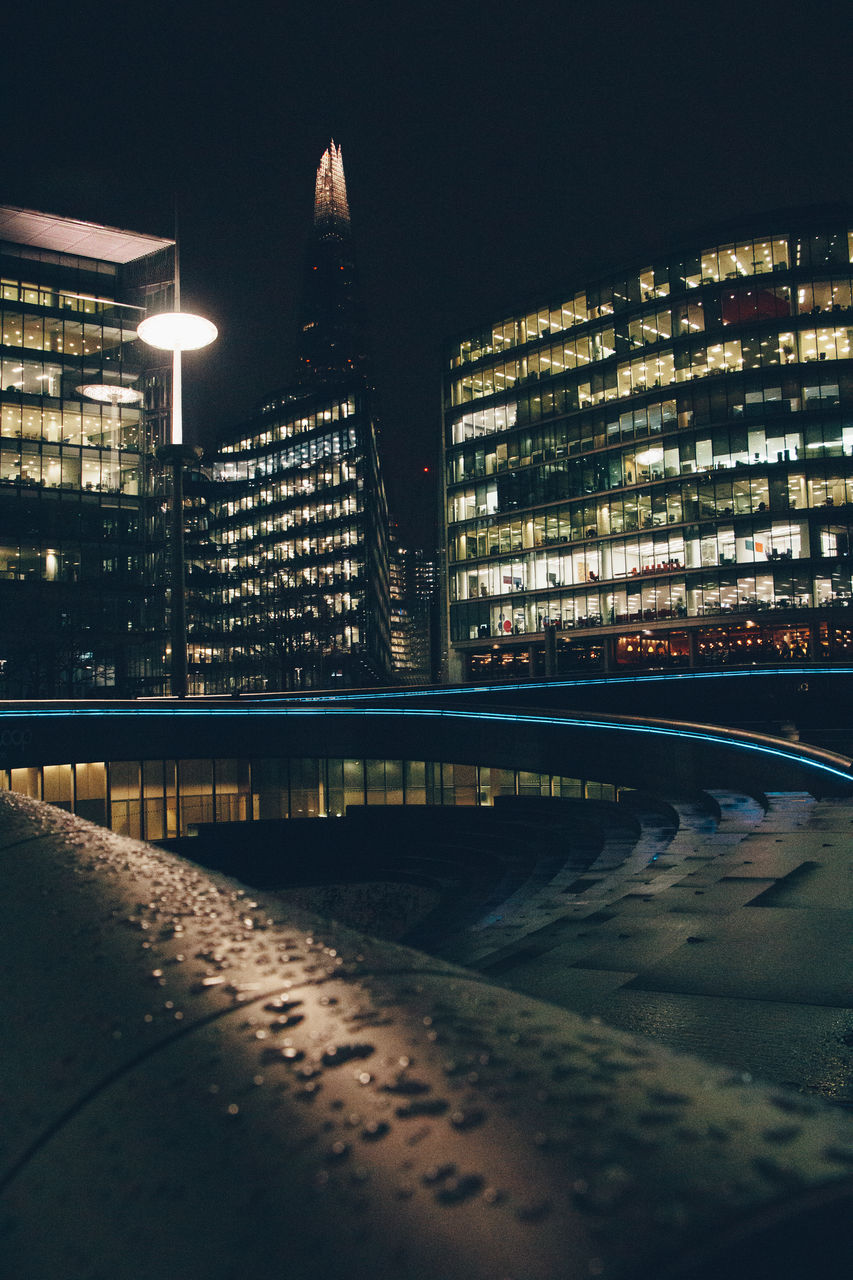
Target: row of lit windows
[
  {"x": 257, "y": 555},
  {"x": 31, "y": 377},
  {"x": 675, "y": 454},
  {"x": 731, "y": 307},
  {"x": 696, "y": 360},
  {"x": 687, "y": 501},
  {"x": 327, "y": 475},
  {"x": 72, "y": 424},
  {"x": 256, "y": 667},
  {"x": 749, "y": 643},
  {"x": 670, "y": 551},
  {"x": 322, "y": 502},
  {"x": 721, "y": 448},
  {"x": 786, "y": 391},
  {"x": 306, "y": 631},
  {"x": 34, "y": 295},
  {"x": 248, "y": 534},
  {"x": 296, "y": 456},
  {"x": 656, "y": 326},
  {"x": 824, "y": 295},
  {"x": 734, "y": 643},
  {"x": 69, "y": 467},
  {"x": 716, "y": 593},
  {"x": 251, "y": 579},
  {"x": 555, "y": 482},
  {"x": 638, "y": 553},
  {"x": 315, "y": 619},
  {"x": 293, "y": 548},
  {"x": 52, "y": 333},
  {"x": 291, "y": 427},
  {"x": 729, "y": 262},
  {"x": 745, "y": 642}
]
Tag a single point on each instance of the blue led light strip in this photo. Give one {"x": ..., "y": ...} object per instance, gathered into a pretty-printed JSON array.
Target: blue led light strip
[
  {"x": 733, "y": 738},
  {"x": 577, "y": 682}
]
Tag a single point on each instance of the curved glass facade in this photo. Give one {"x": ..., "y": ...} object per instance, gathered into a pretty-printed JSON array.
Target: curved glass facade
[
  {"x": 158, "y": 799},
  {"x": 657, "y": 468}
]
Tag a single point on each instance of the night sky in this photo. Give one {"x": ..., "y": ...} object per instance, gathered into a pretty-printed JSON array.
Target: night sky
[{"x": 492, "y": 152}]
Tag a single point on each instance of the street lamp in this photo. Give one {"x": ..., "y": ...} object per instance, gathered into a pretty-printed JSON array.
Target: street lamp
[
  {"x": 109, "y": 393},
  {"x": 177, "y": 331}
]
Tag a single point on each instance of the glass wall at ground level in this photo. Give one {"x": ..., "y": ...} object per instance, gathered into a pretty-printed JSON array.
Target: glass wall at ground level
[{"x": 161, "y": 799}]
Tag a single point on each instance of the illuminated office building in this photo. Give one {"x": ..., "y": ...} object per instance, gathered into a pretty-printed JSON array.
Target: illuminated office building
[
  {"x": 82, "y": 408},
  {"x": 289, "y": 581},
  {"x": 412, "y": 582},
  {"x": 655, "y": 467},
  {"x": 293, "y": 567}
]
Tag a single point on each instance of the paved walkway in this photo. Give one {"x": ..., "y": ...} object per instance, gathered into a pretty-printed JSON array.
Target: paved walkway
[{"x": 730, "y": 936}]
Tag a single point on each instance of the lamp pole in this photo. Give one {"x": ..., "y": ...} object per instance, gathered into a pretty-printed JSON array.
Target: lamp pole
[{"x": 177, "y": 331}]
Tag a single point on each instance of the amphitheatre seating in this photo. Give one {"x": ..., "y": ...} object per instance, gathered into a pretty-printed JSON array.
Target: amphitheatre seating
[{"x": 732, "y": 942}]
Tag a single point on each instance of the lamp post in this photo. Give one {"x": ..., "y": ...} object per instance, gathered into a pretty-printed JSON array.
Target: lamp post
[{"x": 177, "y": 331}]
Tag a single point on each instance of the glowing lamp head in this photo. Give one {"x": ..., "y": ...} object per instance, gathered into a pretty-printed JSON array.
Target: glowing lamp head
[
  {"x": 177, "y": 331},
  {"x": 106, "y": 394}
]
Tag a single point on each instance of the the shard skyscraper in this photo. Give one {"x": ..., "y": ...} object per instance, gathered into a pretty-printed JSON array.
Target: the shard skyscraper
[
  {"x": 296, "y": 511},
  {"x": 332, "y": 344}
]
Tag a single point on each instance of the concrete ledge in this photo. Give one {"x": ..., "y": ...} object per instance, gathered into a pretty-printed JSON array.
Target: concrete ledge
[{"x": 196, "y": 1085}]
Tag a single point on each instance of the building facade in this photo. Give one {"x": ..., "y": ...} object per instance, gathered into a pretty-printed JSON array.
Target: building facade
[
  {"x": 655, "y": 467},
  {"x": 82, "y": 408},
  {"x": 413, "y": 579},
  {"x": 289, "y": 580}
]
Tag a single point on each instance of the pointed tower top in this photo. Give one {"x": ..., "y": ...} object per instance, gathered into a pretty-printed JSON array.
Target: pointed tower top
[{"x": 331, "y": 210}]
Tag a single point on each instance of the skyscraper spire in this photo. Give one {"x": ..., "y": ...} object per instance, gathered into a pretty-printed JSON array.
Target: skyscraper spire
[
  {"x": 331, "y": 208},
  {"x": 332, "y": 344}
]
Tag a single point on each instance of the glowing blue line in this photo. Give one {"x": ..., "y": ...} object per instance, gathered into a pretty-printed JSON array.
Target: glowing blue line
[
  {"x": 578, "y": 682},
  {"x": 612, "y": 680},
  {"x": 801, "y": 756}
]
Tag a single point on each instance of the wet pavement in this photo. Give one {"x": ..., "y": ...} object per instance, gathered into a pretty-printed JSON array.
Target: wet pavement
[{"x": 733, "y": 941}]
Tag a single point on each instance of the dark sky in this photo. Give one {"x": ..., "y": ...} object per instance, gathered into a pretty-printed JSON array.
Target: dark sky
[{"x": 492, "y": 151}]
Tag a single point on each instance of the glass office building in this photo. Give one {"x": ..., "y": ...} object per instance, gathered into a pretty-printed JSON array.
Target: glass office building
[
  {"x": 289, "y": 580},
  {"x": 81, "y": 411},
  {"x": 655, "y": 467},
  {"x": 412, "y": 580}
]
